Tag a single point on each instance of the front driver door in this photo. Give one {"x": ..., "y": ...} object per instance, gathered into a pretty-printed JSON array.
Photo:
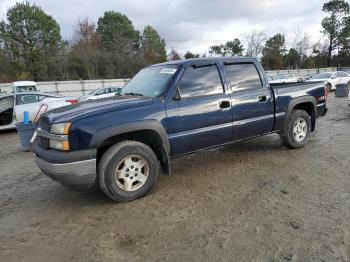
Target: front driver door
[{"x": 200, "y": 116}]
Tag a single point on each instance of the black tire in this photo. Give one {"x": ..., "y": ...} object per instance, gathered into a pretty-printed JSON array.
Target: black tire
[
  {"x": 288, "y": 138},
  {"x": 109, "y": 162}
]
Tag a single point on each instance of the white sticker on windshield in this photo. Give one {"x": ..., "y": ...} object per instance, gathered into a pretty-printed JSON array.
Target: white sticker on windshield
[{"x": 168, "y": 70}]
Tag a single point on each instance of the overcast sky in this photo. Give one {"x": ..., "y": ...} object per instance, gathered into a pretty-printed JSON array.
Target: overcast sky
[{"x": 193, "y": 24}]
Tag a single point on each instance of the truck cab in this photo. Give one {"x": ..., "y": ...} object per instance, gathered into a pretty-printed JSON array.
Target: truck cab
[{"x": 24, "y": 86}]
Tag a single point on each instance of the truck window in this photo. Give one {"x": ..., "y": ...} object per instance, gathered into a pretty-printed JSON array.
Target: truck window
[
  {"x": 200, "y": 81},
  {"x": 27, "y": 99},
  {"x": 243, "y": 76}
]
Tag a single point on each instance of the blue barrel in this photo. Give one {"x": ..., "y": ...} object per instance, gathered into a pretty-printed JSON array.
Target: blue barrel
[
  {"x": 341, "y": 90},
  {"x": 25, "y": 133}
]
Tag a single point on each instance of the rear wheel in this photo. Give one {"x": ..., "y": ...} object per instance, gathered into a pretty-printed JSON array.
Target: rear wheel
[
  {"x": 127, "y": 171},
  {"x": 298, "y": 130}
]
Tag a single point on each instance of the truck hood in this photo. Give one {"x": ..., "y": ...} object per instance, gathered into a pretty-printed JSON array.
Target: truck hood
[{"x": 95, "y": 107}]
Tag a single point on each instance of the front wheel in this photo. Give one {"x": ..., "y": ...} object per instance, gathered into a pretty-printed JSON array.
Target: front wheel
[
  {"x": 127, "y": 171},
  {"x": 298, "y": 130}
]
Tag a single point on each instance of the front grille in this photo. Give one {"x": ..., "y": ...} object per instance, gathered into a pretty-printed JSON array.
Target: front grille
[
  {"x": 45, "y": 126},
  {"x": 43, "y": 142},
  {"x": 44, "y": 123}
]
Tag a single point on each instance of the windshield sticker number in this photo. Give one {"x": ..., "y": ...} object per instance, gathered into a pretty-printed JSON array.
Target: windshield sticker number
[{"x": 168, "y": 71}]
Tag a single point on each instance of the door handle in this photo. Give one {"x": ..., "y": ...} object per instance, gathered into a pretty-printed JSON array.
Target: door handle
[
  {"x": 262, "y": 99},
  {"x": 225, "y": 104}
]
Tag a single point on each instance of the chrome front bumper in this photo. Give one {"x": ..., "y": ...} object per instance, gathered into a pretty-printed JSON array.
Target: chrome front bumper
[{"x": 81, "y": 174}]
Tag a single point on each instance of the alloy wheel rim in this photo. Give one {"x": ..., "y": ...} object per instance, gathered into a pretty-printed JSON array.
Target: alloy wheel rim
[
  {"x": 131, "y": 173},
  {"x": 300, "y": 129}
]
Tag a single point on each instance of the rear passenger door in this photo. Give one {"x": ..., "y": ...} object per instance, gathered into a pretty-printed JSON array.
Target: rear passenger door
[
  {"x": 200, "y": 113},
  {"x": 252, "y": 101}
]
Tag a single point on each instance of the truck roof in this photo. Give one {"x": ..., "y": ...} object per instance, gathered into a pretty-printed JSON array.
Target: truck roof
[
  {"x": 237, "y": 59},
  {"x": 24, "y": 83}
]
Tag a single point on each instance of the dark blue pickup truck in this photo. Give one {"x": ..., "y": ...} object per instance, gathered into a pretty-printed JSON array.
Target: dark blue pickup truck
[{"x": 167, "y": 110}]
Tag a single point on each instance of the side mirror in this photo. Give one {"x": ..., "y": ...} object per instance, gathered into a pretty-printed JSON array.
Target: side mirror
[{"x": 177, "y": 96}]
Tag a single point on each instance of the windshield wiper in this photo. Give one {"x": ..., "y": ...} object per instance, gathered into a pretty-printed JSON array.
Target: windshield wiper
[{"x": 133, "y": 94}]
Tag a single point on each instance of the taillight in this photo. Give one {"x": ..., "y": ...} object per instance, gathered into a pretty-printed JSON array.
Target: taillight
[{"x": 72, "y": 101}]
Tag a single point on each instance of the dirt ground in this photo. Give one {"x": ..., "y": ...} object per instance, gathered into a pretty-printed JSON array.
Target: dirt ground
[{"x": 251, "y": 201}]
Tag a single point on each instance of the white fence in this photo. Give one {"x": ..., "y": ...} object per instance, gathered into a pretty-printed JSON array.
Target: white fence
[
  {"x": 72, "y": 88},
  {"x": 83, "y": 87},
  {"x": 303, "y": 73}
]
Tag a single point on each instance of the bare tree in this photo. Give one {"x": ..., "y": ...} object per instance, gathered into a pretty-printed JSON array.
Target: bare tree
[
  {"x": 301, "y": 42},
  {"x": 87, "y": 48},
  {"x": 174, "y": 55},
  {"x": 320, "y": 52},
  {"x": 255, "y": 43}
]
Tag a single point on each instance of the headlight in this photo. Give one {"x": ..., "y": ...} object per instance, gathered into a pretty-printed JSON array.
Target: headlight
[
  {"x": 59, "y": 144},
  {"x": 60, "y": 129}
]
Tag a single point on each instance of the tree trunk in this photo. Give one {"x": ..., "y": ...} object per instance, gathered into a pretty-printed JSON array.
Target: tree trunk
[{"x": 329, "y": 58}]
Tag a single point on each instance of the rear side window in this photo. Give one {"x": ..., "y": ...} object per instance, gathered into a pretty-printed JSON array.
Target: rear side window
[
  {"x": 200, "y": 81},
  {"x": 243, "y": 76},
  {"x": 41, "y": 97},
  {"x": 27, "y": 99},
  {"x": 103, "y": 91},
  {"x": 115, "y": 89}
]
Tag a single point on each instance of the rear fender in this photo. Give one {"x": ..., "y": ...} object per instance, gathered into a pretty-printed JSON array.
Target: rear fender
[{"x": 298, "y": 101}]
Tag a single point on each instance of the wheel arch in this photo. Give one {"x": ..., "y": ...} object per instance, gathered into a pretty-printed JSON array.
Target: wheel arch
[
  {"x": 306, "y": 103},
  {"x": 151, "y": 133}
]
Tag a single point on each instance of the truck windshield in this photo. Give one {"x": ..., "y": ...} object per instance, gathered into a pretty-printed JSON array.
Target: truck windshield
[{"x": 151, "y": 81}]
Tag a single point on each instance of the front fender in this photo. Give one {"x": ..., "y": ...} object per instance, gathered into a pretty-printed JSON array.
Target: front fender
[{"x": 154, "y": 125}]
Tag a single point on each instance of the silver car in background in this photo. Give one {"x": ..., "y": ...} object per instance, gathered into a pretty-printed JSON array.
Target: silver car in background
[
  {"x": 13, "y": 105},
  {"x": 284, "y": 79},
  {"x": 101, "y": 93}
]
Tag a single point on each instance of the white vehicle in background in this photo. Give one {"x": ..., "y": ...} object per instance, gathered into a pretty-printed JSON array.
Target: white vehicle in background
[
  {"x": 101, "y": 93},
  {"x": 331, "y": 78},
  {"x": 283, "y": 79},
  {"x": 24, "y": 86},
  {"x": 13, "y": 105},
  {"x": 21, "y": 86}
]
